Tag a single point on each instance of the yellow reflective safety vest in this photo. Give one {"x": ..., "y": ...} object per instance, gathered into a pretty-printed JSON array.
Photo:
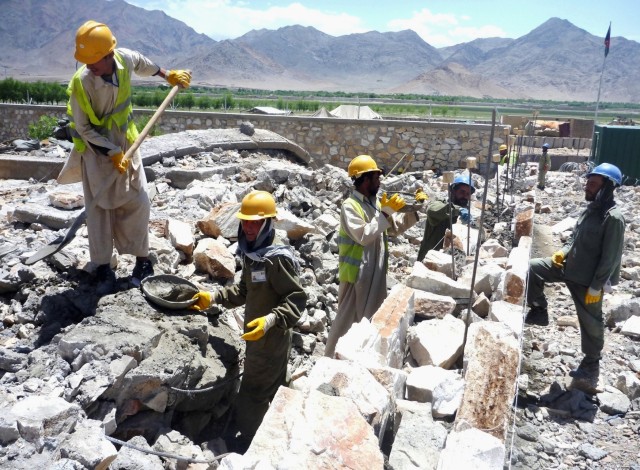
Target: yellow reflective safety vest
[
  {"x": 121, "y": 116},
  {"x": 349, "y": 251}
]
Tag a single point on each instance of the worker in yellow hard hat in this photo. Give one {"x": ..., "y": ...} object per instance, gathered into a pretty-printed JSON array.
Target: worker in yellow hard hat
[
  {"x": 274, "y": 300},
  {"x": 362, "y": 246},
  {"x": 102, "y": 129},
  {"x": 512, "y": 157}
]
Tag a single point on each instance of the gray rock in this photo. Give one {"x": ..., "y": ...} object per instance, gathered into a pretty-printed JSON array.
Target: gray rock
[
  {"x": 614, "y": 403},
  {"x": 592, "y": 452},
  {"x": 528, "y": 432}
]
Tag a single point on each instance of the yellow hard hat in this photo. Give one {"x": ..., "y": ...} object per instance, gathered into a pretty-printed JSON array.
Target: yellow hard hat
[
  {"x": 93, "y": 41},
  {"x": 257, "y": 205},
  {"x": 362, "y": 164},
  {"x": 503, "y": 147}
]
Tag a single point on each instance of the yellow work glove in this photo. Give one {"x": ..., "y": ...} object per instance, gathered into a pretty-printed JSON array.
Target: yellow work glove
[
  {"x": 558, "y": 258},
  {"x": 592, "y": 296},
  {"x": 203, "y": 301},
  {"x": 421, "y": 196},
  {"x": 391, "y": 205},
  {"x": 179, "y": 77},
  {"x": 119, "y": 162},
  {"x": 260, "y": 326}
]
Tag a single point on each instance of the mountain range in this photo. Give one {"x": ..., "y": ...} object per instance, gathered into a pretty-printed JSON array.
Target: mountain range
[{"x": 555, "y": 61}]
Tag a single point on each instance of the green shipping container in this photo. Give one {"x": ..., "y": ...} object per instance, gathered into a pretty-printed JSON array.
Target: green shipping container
[{"x": 619, "y": 145}]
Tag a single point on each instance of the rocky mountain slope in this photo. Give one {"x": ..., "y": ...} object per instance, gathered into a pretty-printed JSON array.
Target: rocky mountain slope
[{"x": 557, "y": 60}]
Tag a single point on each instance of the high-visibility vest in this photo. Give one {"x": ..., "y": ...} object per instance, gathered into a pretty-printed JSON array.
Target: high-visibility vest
[
  {"x": 349, "y": 251},
  {"x": 121, "y": 116}
]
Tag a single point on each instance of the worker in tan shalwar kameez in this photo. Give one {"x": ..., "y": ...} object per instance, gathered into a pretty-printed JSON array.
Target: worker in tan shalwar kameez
[
  {"x": 102, "y": 129},
  {"x": 362, "y": 246}
]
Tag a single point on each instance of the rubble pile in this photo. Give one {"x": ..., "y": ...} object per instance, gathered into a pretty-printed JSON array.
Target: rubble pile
[{"x": 428, "y": 382}]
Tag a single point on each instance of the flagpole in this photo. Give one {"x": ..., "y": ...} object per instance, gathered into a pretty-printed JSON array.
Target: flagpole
[
  {"x": 595, "y": 118},
  {"x": 607, "y": 40}
]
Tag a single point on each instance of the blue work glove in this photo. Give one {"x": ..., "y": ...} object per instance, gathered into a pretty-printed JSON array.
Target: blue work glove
[{"x": 465, "y": 216}]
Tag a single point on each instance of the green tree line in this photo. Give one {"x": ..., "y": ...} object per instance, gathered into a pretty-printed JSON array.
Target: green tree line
[
  {"x": 240, "y": 99},
  {"x": 14, "y": 91}
]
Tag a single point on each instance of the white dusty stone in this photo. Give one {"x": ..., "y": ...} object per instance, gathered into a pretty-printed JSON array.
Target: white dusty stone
[
  {"x": 313, "y": 430},
  {"x": 437, "y": 283},
  {"x": 181, "y": 236},
  {"x": 437, "y": 342},
  {"x": 472, "y": 449},
  {"x": 509, "y": 314},
  {"x": 352, "y": 380},
  {"x": 422, "y": 380},
  {"x": 631, "y": 327}
]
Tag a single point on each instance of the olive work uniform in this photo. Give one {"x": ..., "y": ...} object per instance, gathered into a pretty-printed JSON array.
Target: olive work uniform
[
  {"x": 270, "y": 286},
  {"x": 543, "y": 166},
  {"x": 436, "y": 226},
  {"x": 592, "y": 257},
  {"x": 362, "y": 298}
]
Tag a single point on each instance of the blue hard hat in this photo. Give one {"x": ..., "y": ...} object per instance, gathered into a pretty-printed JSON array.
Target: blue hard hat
[
  {"x": 463, "y": 179},
  {"x": 545, "y": 145},
  {"x": 608, "y": 171}
]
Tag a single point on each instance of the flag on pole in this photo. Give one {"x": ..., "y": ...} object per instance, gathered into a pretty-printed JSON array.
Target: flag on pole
[{"x": 607, "y": 41}]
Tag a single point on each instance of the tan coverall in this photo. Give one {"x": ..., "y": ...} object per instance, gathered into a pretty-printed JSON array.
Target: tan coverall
[
  {"x": 121, "y": 216},
  {"x": 362, "y": 299}
]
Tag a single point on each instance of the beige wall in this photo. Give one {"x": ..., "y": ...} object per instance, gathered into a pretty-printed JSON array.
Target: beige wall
[{"x": 328, "y": 140}]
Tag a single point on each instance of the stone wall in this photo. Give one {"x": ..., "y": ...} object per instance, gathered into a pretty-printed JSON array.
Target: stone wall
[{"x": 328, "y": 140}]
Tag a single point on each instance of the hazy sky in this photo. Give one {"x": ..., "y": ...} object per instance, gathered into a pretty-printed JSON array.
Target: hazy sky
[{"x": 438, "y": 22}]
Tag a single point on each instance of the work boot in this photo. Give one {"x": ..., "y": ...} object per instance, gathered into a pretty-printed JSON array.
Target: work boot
[
  {"x": 106, "y": 280},
  {"x": 588, "y": 368},
  {"x": 142, "y": 269},
  {"x": 537, "y": 316}
]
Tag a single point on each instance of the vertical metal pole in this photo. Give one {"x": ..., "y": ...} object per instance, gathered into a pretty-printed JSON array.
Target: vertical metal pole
[
  {"x": 448, "y": 177},
  {"x": 484, "y": 201}
]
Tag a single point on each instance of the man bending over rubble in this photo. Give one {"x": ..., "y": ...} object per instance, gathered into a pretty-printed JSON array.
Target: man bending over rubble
[
  {"x": 102, "y": 129},
  {"x": 362, "y": 246},
  {"x": 270, "y": 290},
  {"x": 587, "y": 264}
]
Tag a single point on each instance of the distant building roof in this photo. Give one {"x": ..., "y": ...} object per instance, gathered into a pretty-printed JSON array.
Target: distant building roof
[
  {"x": 350, "y": 111},
  {"x": 269, "y": 110}
]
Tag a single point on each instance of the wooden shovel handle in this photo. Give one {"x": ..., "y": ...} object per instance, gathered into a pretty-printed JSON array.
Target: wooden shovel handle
[
  {"x": 152, "y": 122},
  {"x": 136, "y": 143}
]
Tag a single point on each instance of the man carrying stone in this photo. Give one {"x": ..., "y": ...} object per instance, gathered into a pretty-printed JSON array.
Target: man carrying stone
[
  {"x": 586, "y": 264},
  {"x": 441, "y": 213},
  {"x": 362, "y": 246}
]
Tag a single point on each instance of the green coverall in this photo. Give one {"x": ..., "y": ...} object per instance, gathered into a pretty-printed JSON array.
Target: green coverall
[
  {"x": 265, "y": 287},
  {"x": 592, "y": 257},
  {"x": 543, "y": 166},
  {"x": 436, "y": 226}
]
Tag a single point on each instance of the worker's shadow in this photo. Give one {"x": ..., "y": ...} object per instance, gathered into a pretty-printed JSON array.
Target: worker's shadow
[{"x": 62, "y": 308}]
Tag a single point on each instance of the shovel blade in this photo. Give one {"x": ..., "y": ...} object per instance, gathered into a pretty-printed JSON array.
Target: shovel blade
[
  {"x": 44, "y": 252},
  {"x": 60, "y": 243}
]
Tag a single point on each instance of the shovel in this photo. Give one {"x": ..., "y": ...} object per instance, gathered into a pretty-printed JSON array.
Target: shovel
[{"x": 61, "y": 242}]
